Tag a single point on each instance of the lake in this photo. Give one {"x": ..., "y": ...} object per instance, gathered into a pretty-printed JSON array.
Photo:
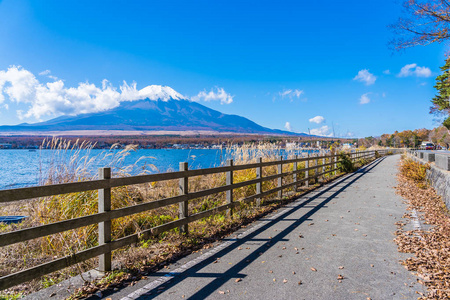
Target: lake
[{"x": 22, "y": 168}]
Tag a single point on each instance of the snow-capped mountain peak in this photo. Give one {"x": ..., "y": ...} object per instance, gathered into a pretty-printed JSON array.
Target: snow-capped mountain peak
[{"x": 155, "y": 92}]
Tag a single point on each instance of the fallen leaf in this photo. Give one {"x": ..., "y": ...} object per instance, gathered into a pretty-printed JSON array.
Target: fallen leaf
[
  {"x": 222, "y": 292},
  {"x": 300, "y": 282},
  {"x": 314, "y": 269},
  {"x": 341, "y": 267},
  {"x": 340, "y": 277},
  {"x": 238, "y": 279},
  {"x": 284, "y": 280},
  {"x": 293, "y": 272}
]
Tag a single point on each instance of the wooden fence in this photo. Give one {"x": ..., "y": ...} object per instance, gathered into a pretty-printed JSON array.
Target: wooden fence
[{"x": 329, "y": 164}]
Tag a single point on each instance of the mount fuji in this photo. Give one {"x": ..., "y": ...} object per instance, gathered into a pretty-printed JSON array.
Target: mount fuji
[{"x": 153, "y": 108}]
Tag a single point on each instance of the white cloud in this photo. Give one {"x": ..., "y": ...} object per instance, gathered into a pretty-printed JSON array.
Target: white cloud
[
  {"x": 366, "y": 77},
  {"x": 414, "y": 70},
  {"x": 364, "y": 99},
  {"x": 284, "y": 93},
  {"x": 317, "y": 119},
  {"x": 387, "y": 72},
  {"x": 54, "y": 98},
  {"x": 297, "y": 93},
  {"x": 322, "y": 131},
  {"x": 220, "y": 95},
  {"x": 349, "y": 134},
  {"x": 47, "y": 74},
  {"x": 288, "y": 126},
  {"x": 291, "y": 94},
  {"x": 43, "y": 73}
]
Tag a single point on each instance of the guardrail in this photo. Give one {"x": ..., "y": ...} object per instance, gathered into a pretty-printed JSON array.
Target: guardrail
[
  {"x": 105, "y": 215},
  {"x": 440, "y": 159}
]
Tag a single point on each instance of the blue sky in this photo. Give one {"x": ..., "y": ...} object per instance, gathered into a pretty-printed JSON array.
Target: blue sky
[{"x": 279, "y": 63}]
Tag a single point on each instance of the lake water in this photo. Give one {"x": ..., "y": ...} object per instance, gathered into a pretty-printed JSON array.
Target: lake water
[{"x": 22, "y": 168}]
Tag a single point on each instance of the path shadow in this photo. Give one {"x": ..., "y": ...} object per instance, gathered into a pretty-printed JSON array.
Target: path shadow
[{"x": 268, "y": 221}]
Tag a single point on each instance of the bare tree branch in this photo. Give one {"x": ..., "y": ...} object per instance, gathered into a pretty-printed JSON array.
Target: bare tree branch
[{"x": 425, "y": 22}]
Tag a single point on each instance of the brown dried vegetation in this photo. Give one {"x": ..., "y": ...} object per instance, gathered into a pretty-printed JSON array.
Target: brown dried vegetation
[
  {"x": 70, "y": 164},
  {"x": 431, "y": 248}
]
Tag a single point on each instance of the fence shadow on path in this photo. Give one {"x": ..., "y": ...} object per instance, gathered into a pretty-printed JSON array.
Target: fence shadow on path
[{"x": 234, "y": 271}]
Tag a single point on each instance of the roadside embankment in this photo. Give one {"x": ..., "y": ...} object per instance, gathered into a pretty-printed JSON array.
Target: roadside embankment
[{"x": 438, "y": 174}]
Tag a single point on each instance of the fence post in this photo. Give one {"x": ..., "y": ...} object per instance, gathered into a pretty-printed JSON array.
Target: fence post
[
  {"x": 323, "y": 168},
  {"x": 229, "y": 181},
  {"x": 294, "y": 168},
  {"x": 184, "y": 205},
  {"x": 258, "y": 184},
  {"x": 104, "y": 228},
  {"x": 316, "y": 165},
  {"x": 335, "y": 164},
  {"x": 307, "y": 171},
  {"x": 280, "y": 179}
]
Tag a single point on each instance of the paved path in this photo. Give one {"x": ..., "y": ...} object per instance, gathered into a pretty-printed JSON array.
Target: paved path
[{"x": 348, "y": 223}]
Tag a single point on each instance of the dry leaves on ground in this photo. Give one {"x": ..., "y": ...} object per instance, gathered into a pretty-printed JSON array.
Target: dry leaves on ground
[{"x": 431, "y": 249}]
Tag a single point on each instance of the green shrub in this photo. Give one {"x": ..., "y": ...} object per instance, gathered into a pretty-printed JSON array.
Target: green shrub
[{"x": 345, "y": 163}]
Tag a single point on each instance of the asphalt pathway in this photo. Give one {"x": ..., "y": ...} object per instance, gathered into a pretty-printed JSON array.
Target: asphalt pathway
[{"x": 333, "y": 243}]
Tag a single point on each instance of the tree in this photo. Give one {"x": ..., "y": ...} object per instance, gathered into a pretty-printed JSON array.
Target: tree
[
  {"x": 425, "y": 22},
  {"x": 441, "y": 100}
]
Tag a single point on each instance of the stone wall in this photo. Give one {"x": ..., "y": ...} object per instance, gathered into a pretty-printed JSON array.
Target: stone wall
[
  {"x": 440, "y": 180},
  {"x": 437, "y": 175}
]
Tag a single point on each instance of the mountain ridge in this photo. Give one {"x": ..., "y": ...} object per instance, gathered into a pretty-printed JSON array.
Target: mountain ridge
[{"x": 165, "y": 114}]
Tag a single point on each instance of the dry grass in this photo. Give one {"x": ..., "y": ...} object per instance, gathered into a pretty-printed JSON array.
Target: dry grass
[
  {"x": 414, "y": 171},
  {"x": 74, "y": 162},
  {"x": 431, "y": 249}
]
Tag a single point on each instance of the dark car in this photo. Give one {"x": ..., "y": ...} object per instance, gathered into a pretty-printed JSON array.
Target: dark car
[{"x": 429, "y": 146}]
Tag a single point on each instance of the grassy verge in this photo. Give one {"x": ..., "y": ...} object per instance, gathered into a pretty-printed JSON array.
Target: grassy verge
[{"x": 431, "y": 248}]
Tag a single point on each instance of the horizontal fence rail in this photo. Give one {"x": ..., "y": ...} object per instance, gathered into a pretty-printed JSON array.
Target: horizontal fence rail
[{"x": 328, "y": 164}]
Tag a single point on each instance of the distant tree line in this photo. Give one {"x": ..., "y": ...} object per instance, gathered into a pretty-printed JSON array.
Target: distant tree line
[{"x": 408, "y": 138}]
